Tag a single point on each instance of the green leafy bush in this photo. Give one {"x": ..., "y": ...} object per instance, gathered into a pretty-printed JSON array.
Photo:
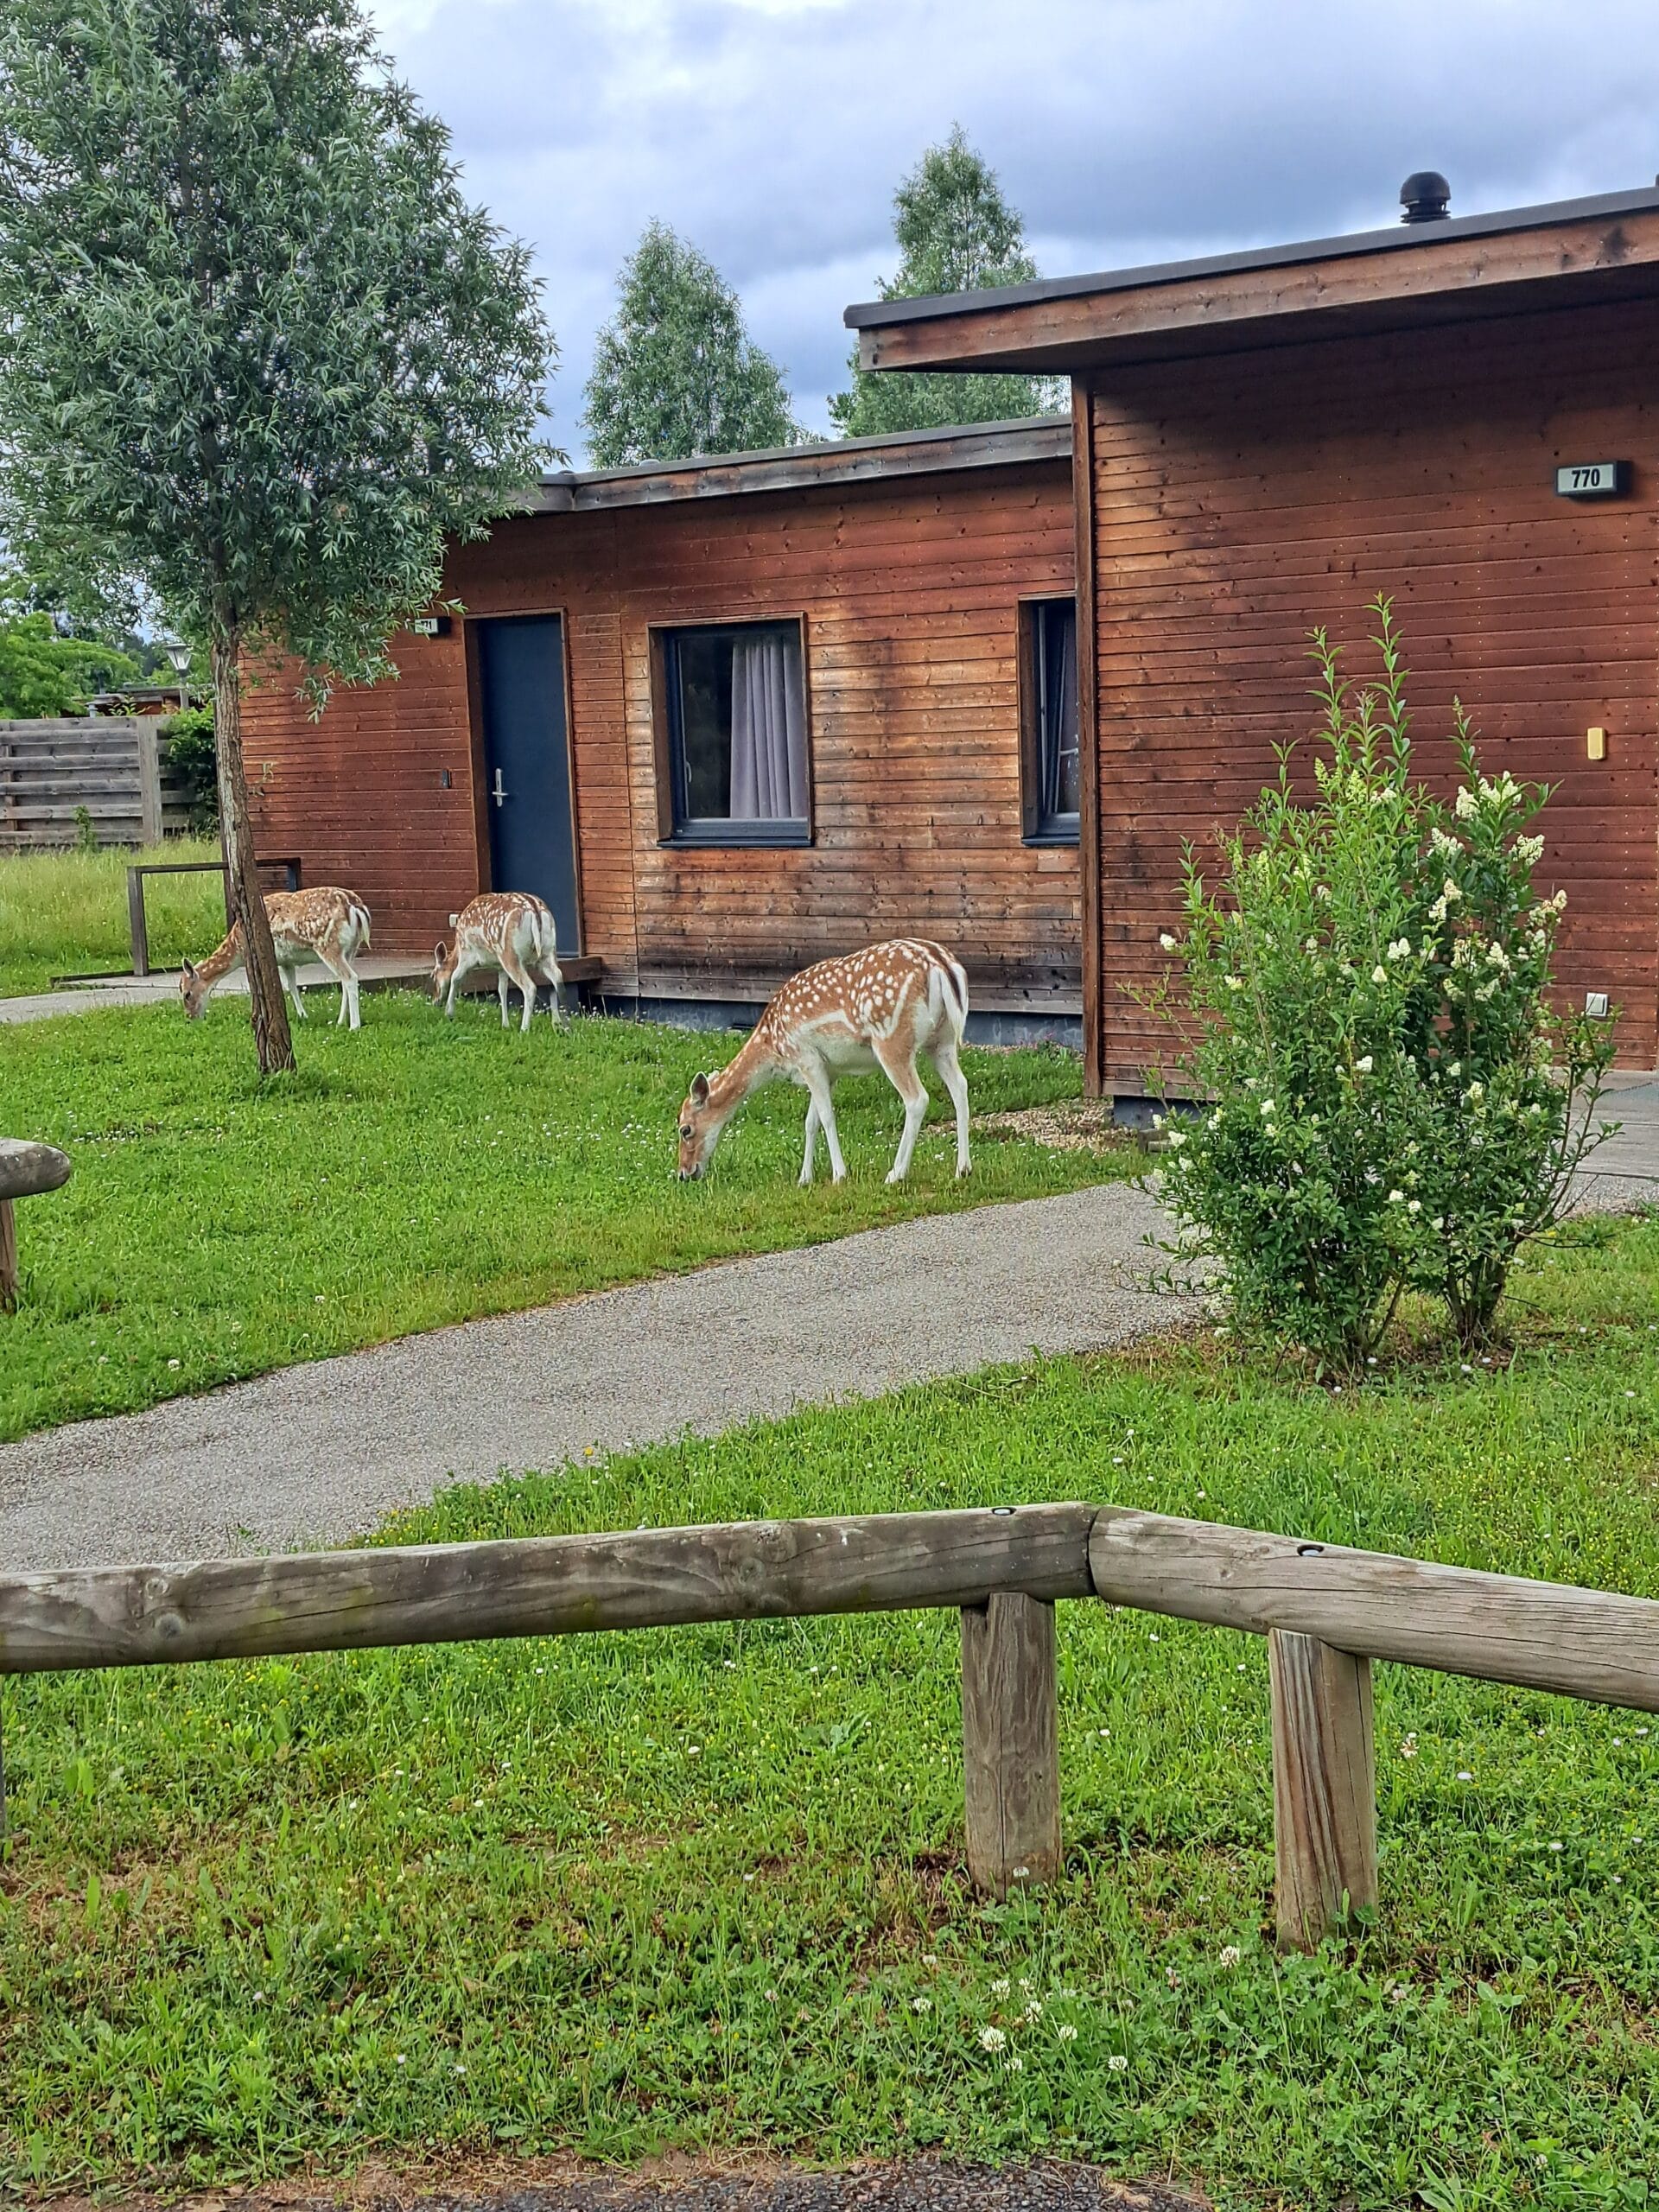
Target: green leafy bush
[
  {"x": 1390, "y": 1102},
  {"x": 193, "y": 754}
]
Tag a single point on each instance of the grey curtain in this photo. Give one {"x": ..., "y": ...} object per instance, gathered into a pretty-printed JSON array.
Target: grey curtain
[{"x": 768, "y": 730}]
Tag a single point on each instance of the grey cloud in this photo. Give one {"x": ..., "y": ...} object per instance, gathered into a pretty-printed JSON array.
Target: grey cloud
[{"x": 1125, "y": 130}]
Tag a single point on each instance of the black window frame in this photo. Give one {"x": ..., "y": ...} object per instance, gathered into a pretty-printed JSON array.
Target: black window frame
[
  {"x": 675, "y": 824},
  {"x": 1038, "y": 824}
]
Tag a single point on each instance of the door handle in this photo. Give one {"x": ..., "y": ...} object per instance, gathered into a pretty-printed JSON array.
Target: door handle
[{"x": 500, "y": 793}]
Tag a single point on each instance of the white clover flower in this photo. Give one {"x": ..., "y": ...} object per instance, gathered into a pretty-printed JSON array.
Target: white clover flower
[
  {"x": 921, "y": 2004},
  {"x": 1066, "y": 2032},
  {"x": 1001, "y": 1986},
  {"x": 1016, "y": 2064},
  {"x": 1362, "y": 1066},
  {"x": 1379, "y": 974},
  {"x": 1117, "y": 2064},
  {"x": 992, "y": 2039},
  {"x": 1230, "y": 1954}
]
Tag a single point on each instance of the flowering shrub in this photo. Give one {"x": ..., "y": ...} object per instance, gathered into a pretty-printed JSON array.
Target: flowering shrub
[{"x": 1391, "y": 1103}]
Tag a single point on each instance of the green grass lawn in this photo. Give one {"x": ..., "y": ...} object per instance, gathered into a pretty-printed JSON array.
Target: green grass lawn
[
  {"x": 703, "y": 1888},
  {"x": 419, "y": 1172},
  {"x": 66, "y": 913}
]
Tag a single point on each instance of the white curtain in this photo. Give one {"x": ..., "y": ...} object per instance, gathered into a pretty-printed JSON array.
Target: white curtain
[{"x": 768, "y": 730}]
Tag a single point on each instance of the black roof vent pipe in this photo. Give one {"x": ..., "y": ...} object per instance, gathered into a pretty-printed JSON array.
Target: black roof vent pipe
[{"x": 1426, "y": 197}]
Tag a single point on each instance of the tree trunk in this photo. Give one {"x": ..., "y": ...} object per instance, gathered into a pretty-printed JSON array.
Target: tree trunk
[{"x": 269, "y": 1009}]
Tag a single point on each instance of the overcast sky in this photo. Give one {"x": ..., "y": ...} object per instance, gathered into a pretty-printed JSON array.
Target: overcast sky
[{"x": 772, "y": 132}]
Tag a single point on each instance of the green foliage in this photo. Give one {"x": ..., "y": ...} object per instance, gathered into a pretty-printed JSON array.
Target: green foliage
[
  {"x": 192, "y": 753},
  {"x": 65, "y": 913},
  {"x": 259, "y": 352},
  {"x": 701, "y": 1889},
  {"x": 956, "y": 233},
  {"x": 1391, "y": 1102},
  {"x": 415, "y": 1173},
  {"x": 674, "y": 372},
  {"x": 45, "y": 671}
]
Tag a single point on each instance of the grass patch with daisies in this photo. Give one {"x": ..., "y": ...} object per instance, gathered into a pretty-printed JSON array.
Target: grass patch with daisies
[{"x": 703, "y": 1889}]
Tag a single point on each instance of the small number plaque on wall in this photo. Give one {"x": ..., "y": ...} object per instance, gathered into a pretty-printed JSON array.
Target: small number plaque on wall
[
  {"x": 1592, "y": 480},
  {"x": 430, "y": 625}
]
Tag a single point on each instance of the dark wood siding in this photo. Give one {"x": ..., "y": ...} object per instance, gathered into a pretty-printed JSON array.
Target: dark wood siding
[
  {"x": 908, "y": 591},
  {"x": 1239, "y": 501}
]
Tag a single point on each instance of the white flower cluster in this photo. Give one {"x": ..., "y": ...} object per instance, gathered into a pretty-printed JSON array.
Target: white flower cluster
[{"x": 1527, "y": 850}]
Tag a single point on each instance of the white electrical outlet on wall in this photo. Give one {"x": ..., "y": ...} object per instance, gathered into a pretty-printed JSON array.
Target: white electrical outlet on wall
[{"x": 1595, "y": 1005}]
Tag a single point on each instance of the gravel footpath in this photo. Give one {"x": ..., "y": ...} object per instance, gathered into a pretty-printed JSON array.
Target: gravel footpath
[
  {"x": 321, "y": 1452},
  {"x": 909, "y": 2185}
]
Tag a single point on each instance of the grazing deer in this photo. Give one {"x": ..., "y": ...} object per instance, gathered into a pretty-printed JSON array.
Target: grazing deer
[
  {"x": 327, "y": 925},
  {"x": 512, "y": 932},
  {"x": 880, "y": 1007}
]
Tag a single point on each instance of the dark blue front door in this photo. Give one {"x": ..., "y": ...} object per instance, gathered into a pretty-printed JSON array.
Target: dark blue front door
[{"x": 527, "y": 765}]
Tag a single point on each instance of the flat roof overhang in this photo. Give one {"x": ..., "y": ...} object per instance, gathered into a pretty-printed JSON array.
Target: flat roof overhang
[
  {"x": 792, "y": 468},
  {"x": 1462, "y": 268}
]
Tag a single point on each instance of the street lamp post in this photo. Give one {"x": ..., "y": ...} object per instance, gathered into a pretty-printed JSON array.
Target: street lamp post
[{"x": 179, "y": 656}]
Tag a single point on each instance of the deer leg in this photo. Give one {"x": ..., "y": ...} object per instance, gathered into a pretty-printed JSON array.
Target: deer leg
[
  {"x": 291, "y": 977},
  {"x": 811, "y": 1141},
  {"x": 950, "y": 1068},
  {"x": 899, "y": 1067},
  {"x": 503, "y": 985},
  {"x": 520, "y": 975},
  {"x": 556, "y": 984},
  {"x": 353, "y": 987},
  {"x": 817, "y": 1082},
  {"x": 332, "y": 960}
]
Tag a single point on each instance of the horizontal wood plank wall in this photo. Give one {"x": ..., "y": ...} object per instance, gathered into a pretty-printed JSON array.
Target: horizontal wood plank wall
[
  {"x": 359, "y": 795},
  {"x": 909, "y": 590},
  {"x": 1239, "y": 501}
]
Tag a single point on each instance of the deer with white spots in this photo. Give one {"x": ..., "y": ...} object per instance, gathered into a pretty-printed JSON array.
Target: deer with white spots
[
  {"x": 511, "y": 931},
  {"x": 327, "y": 925},
  {"x": 878, "y": 1008}
]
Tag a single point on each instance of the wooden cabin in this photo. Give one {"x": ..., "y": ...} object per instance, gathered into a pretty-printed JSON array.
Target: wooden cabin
[
  {"x": 1460, "y": 412},
  {"x": 730, "y": 716}
]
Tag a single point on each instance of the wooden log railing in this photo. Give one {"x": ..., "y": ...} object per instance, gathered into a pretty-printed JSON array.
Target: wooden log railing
[{"x": 1327, "y": 1612}]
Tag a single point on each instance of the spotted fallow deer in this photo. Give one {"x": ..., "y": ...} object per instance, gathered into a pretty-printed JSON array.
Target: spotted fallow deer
[
  {"x": 327, "y": 925},
  {"x": 878, "y": 1008},
  {"x": 512, "y": 932}
]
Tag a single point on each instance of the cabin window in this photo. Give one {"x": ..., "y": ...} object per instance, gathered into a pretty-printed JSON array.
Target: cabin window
[
  {"x": 732, "y": 737},
  {"x": 1052, "y": 760}
]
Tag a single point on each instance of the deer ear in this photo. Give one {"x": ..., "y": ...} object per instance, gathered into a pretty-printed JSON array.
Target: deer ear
[
  {"x": 700, "y": 1090},
  {"x": 190, "y": 970}
]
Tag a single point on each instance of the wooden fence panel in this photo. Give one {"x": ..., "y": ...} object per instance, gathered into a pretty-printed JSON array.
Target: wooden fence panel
[{"x": 114, "y": 766}]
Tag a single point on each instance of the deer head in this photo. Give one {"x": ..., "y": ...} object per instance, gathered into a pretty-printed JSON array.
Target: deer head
[
  {"x": 443, "y": 966},
  {"x": 194, "y": 987},
  {"x": 702, "y": 1119}
]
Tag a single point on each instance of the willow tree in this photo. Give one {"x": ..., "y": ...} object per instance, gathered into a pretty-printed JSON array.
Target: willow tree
[{"x": 258, "y": 354}]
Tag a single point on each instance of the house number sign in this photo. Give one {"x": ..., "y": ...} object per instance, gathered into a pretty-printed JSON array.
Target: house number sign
[{"x": 1592, "y": 480}]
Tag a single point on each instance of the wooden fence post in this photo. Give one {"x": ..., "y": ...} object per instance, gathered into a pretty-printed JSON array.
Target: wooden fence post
[
  {"x": 1010, "y": 1742},
  {"x": 137, "y": 927},
  {"x": 1324, "y": 1788},
  {"x": 150, "y": 779}
]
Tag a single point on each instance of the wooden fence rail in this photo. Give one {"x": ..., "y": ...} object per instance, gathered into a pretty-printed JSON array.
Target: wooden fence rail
[{"x": 1327, "y": 1612}]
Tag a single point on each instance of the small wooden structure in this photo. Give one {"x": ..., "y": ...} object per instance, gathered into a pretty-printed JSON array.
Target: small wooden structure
[
  {"x": 1458, "y": 412},
  {"x": 26, "y": 1170},
  {"x": 1325, "y": 1610},
  {"x": 903, "y": 577}
]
